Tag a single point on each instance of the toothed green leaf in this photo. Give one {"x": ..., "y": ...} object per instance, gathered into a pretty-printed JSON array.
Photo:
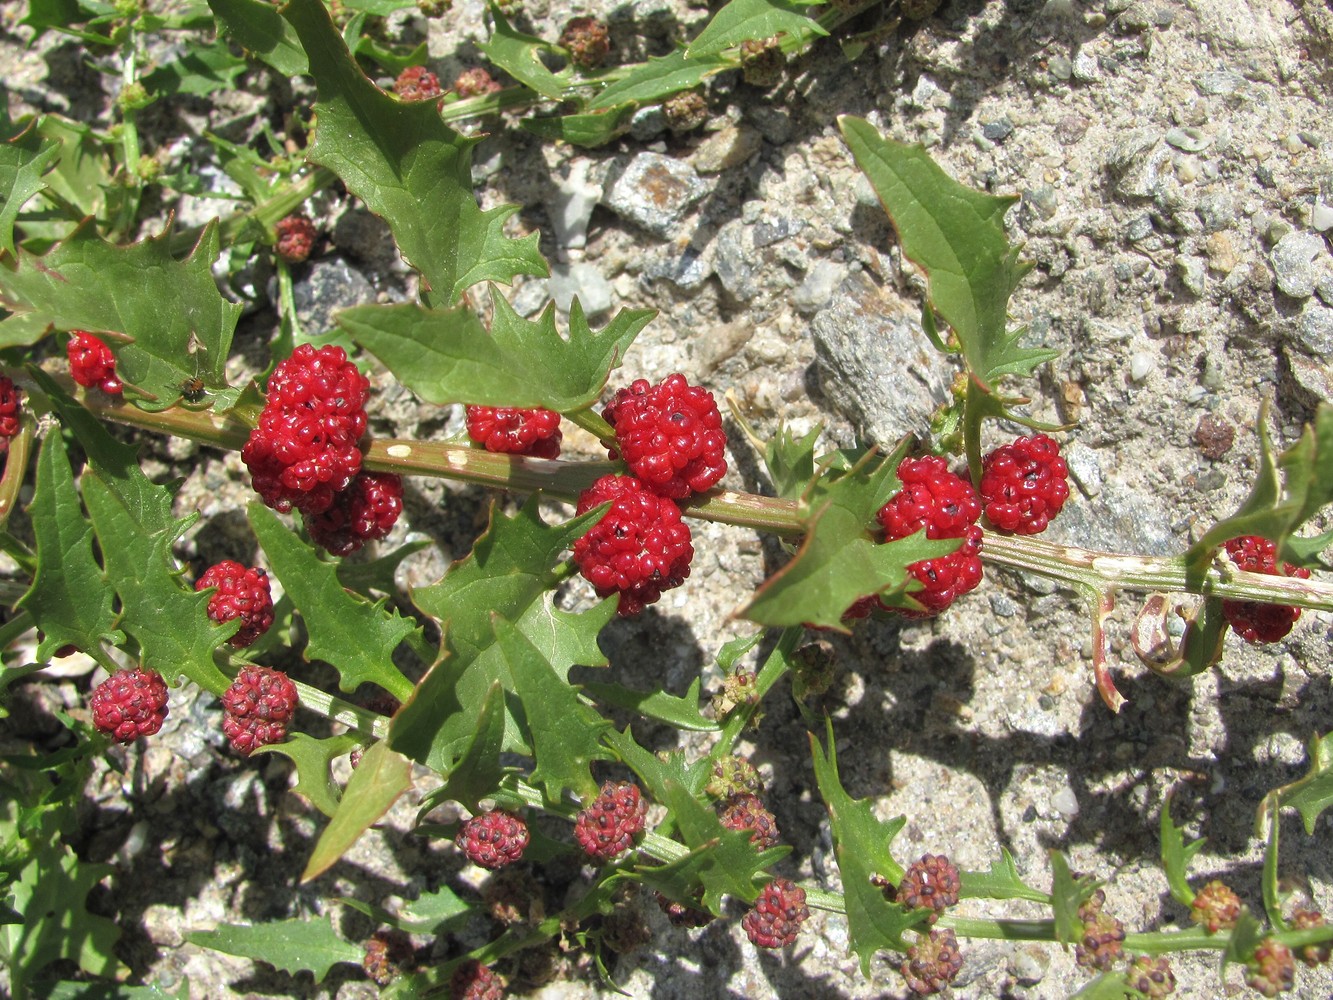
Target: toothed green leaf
[
  {"x": 260, "y": 30},
  {"x": 680, "y": 713},
  {"x": 312, "y": 758},
  {"x": 302, "y": 944},
  {"x": 24, "y": 158},
  {"x": 478, "y": 771},
  {"x": 1176, "y": 856},
  {"x": 657, "y": 78},
  {"x": 747, "y": 20},
  {"x": 1311, "y": 794},
  {"x": 375, "y": 785},
  {"x": 1001, "y": 882},
  {"x": 519, "y": 55}
]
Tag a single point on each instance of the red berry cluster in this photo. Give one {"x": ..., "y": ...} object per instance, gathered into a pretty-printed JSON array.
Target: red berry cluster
[
  {"x": 515, "y": 431},
  {"x": 587, "y": 41},
  {"x": 670, "y": 435},
  {"x": 241, "y": 593},
  {"x": 91, "y": 363},
  {"x": 475, "y": 82},
  {"x": 932, "y": 882},
  {"x": 1216, "y": 907},
  {"x": 365, "y": 511},
  {"x": 681, "y": 915},
  {"x": 388, "y": 952},
  {"x": 417, "y": 83},
  {"x": 1253, "y": 620},
  {"x": 640, "y": 548},
  {"x": 257, "y": 707},
  {"x": 946, "y": 506},
  {"x": 608, "y": 826},
  {"x": 296, "y": 238},
  {"x": 493, "y": 839},
  {"x": 10, "y": 402},
  {"x": 933, "y": 962},
  {"x": 745, "y": 811},
  {"x": 129, "y": 704},
  {"x": 1272, "y": 969},
  {"x": 1024, "y": 484},
  {"x": 474, "y": 981},
  {"x": 777, "y": 915}
]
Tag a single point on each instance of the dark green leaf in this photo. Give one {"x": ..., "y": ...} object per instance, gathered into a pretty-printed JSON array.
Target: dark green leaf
[
  {"x": 1067, "y": 895},
  {"x": 746, "y": 20},
  {"x": 657, "y": 772},
  {"x": 69, "y": 599},
  {"x": 445, "y": 356},
  {"x": 1176, "y": 856},
  {"x": 24, "y": 158},
  {"x": 861, "y": 845},
  {"x": 838, "y": 561},
  {"x": 312, "y": 758},
  {"x": 680, "y": 713},
  {"x": 399, "y": 157},
  {"x": 510, "y": 573},
  {"x": 199, "y": 71},
  {"x": 432, "y": 913},
  {"x": 1001, "y": 882},
  {"x": 302, "y": 944},
  {"x": 657, "y": 78},
  {"x": 956, "y": 235},
  {"x": 1272, "y": 893},
  {"x": 375, "y": 785},
  {"x": 519, "y": 55},
  {"x": 586, "y": 130},
  {"x": 260, "y": 30},
  {"x": 392, "y": 60},
  {"x": 115, "y": 991},
  {"x": 175, "y": 323},
  {"x": 791, "y": 461},
  {"x": 381, "y": 8},
  {"x": 356, "y": 637},
  {"x": 1313, "y": 793},
  {"x": 478, "y": 771}
]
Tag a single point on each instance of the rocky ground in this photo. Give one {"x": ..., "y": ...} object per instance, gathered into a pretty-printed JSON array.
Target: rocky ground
[{"x": 1174, "y": 161}]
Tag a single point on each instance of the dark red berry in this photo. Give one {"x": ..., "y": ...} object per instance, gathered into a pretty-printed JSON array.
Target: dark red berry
[
  {"x": 296, "y": 238},
  {"x": 1272, "y": 970},
  {"x": 388, "y": 952},
  {"x": 515, "y": 431},
  {"x": 670, "y": 435},
  {"x": 946, "y": 506},
  {"x": 241, "y": 593},
  {"x": 587, "y": 41},
  {"x": 1103, "y": 935},
  {"x": 1151, "y": 975},
  {"x": 364, "y": 512},
  {"x": 608, "y": 826},
  {"x": 744, "y": 811},
  {"x": 417, "y": 83},
  {"x": 475, "y": 82},
  {"x": 1254, "y": 621},
  {"x": 933, "y": 962},
  {"x": 639, "y": 549},
  {"x": 682, "y": 915},
  {"x": 305, "y": 449},
  {"x": 493, "y": 839},
  {"x": 931, "y": 882},
  {"x": 1216, "y": 907},
  {"x": 129, "y": 704},
  {"x": 257, "y": 707},
  {"x": 777, "y": 915},
  {"x": 474, "y": 981},
  {"x": 1312, "y": 954},
  {"x": 91, "y": 363},
  {"x": 733, "y": 775},
  {"x": 10, "y": 411},
  {"x": 1024, "y": 484}
]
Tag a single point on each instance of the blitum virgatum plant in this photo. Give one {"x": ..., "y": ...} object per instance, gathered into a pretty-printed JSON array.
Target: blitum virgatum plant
[{"x": 104, "y": 326}]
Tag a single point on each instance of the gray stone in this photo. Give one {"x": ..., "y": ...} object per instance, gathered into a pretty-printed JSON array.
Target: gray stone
[
  {"x": 1029, "y": 964},
  {"x": 584, "y": 280},
  {"x": 648, "y": 123},
  {"x": 773, "y": 123},
  {"x": 1216, "y": 212},
  {"x": 1065, "y": 802},
  {"x": 576, "y": 195},
  {"x": 1137, "y": 17},
  {"x": 998, "y": 131},
  {"x": 733, "y": 260},
  {"x": 817, "y": 288},
  {"x": 652, "y": 191},
  {"x": 874, "y": 363},
  {"x": 770, "y": 231},
  {"x": 1312, "y": 376},
  {"x": 1220, "y": 82},
  {"x": 686, "y": 269},
  {"x": 1138, "y": 159},
  {"x": 1086, "y": 69},
  {"x": 727, "y": 149},
  {"x": 1191, "y": 140},
  {"x": 1321, "y": 217},
  {"x": 1043, "y": 200},
  {"x": 1060, "y": 67},
  {"x": 1193, "y": 273},
  {"x": 327, "y": 286},
  {"x": 1121, "y": 520},
  {"x": 1294, "y": 259},
  {"x": 1314, "y": 329}
]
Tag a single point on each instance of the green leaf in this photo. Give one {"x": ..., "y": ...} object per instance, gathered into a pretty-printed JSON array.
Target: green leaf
[
  {"x": 1272, "y": 893},
  {"x": 399, "y": 157},
  {"x": 861, "y": 846},
  {"x": 432, "y": 913},
  {"x": 201, "y": 70},
  {"x": 69, "y": 599},
  {"x": 1107, "y": 986},
  {"x": 116, "y": 991},
  {"x": 838, "y": 561},
  {"x": 723, "y": 862},
  {"x": 1313, "y": 793},
  {"x": 478, "y": 771},
  {"x": 657, "y": 772},
  {"x": 1288, "y": 490},
  {"x": 1176, "y": 856},
  {"x": 352, "y": 634},
  {"x": 1245, "y": 937},
  {"x": 312, "y": 758},
  {"x": 378, "y": 574},
  {"x": 51, "y": 891},
  {"x": 746, "y": 20},
  {"x": 565, "y": 734},
  {"x": 301, "y": 944},
  {"x": 956, "y": 235},
  {"x": 519, "y": 55},
  {"x": 1001, "y": 882},
  {"x": 375, "y": 785},
  {"x": 791, "y": 461},
  {"x": 24, "y": 158},
  {"x": 679, "y": 713},
  {"x": 510, "y": 573},
  {"x": 1067, "y": 895},
  {"x": 445, "y": 356},
  {"x": 658, "y": 78},
  {"x": 174, "y": 323},
  {"x": 259, "y": 29},
  {"x": 586, "y": 130}
]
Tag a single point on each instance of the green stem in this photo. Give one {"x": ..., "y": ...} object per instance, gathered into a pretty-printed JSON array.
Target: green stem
[
  {"x": 594, "y": 425},
  {"x": 774, "y": 667},
  {"x": 353, "y": 716}
]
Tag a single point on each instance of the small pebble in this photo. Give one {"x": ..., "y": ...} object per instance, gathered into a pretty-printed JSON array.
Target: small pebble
[
  {"x": 1141, "y": 364},
  {"x": 998, "y": 131},
  {"x": 1066, "y": 804},
  {"x": 1293, "y": 259}
]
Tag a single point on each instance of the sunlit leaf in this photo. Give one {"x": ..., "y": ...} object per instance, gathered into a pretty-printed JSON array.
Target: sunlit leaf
[
  {"x": 302, "y": 944},
  {"x": 24, "y": 158},
  {"x": 746, "y": 20},
  {"x": 313, "y": 758},
  {"x": 375, "y": 785},
  {"x": 657, "y": 78}
]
